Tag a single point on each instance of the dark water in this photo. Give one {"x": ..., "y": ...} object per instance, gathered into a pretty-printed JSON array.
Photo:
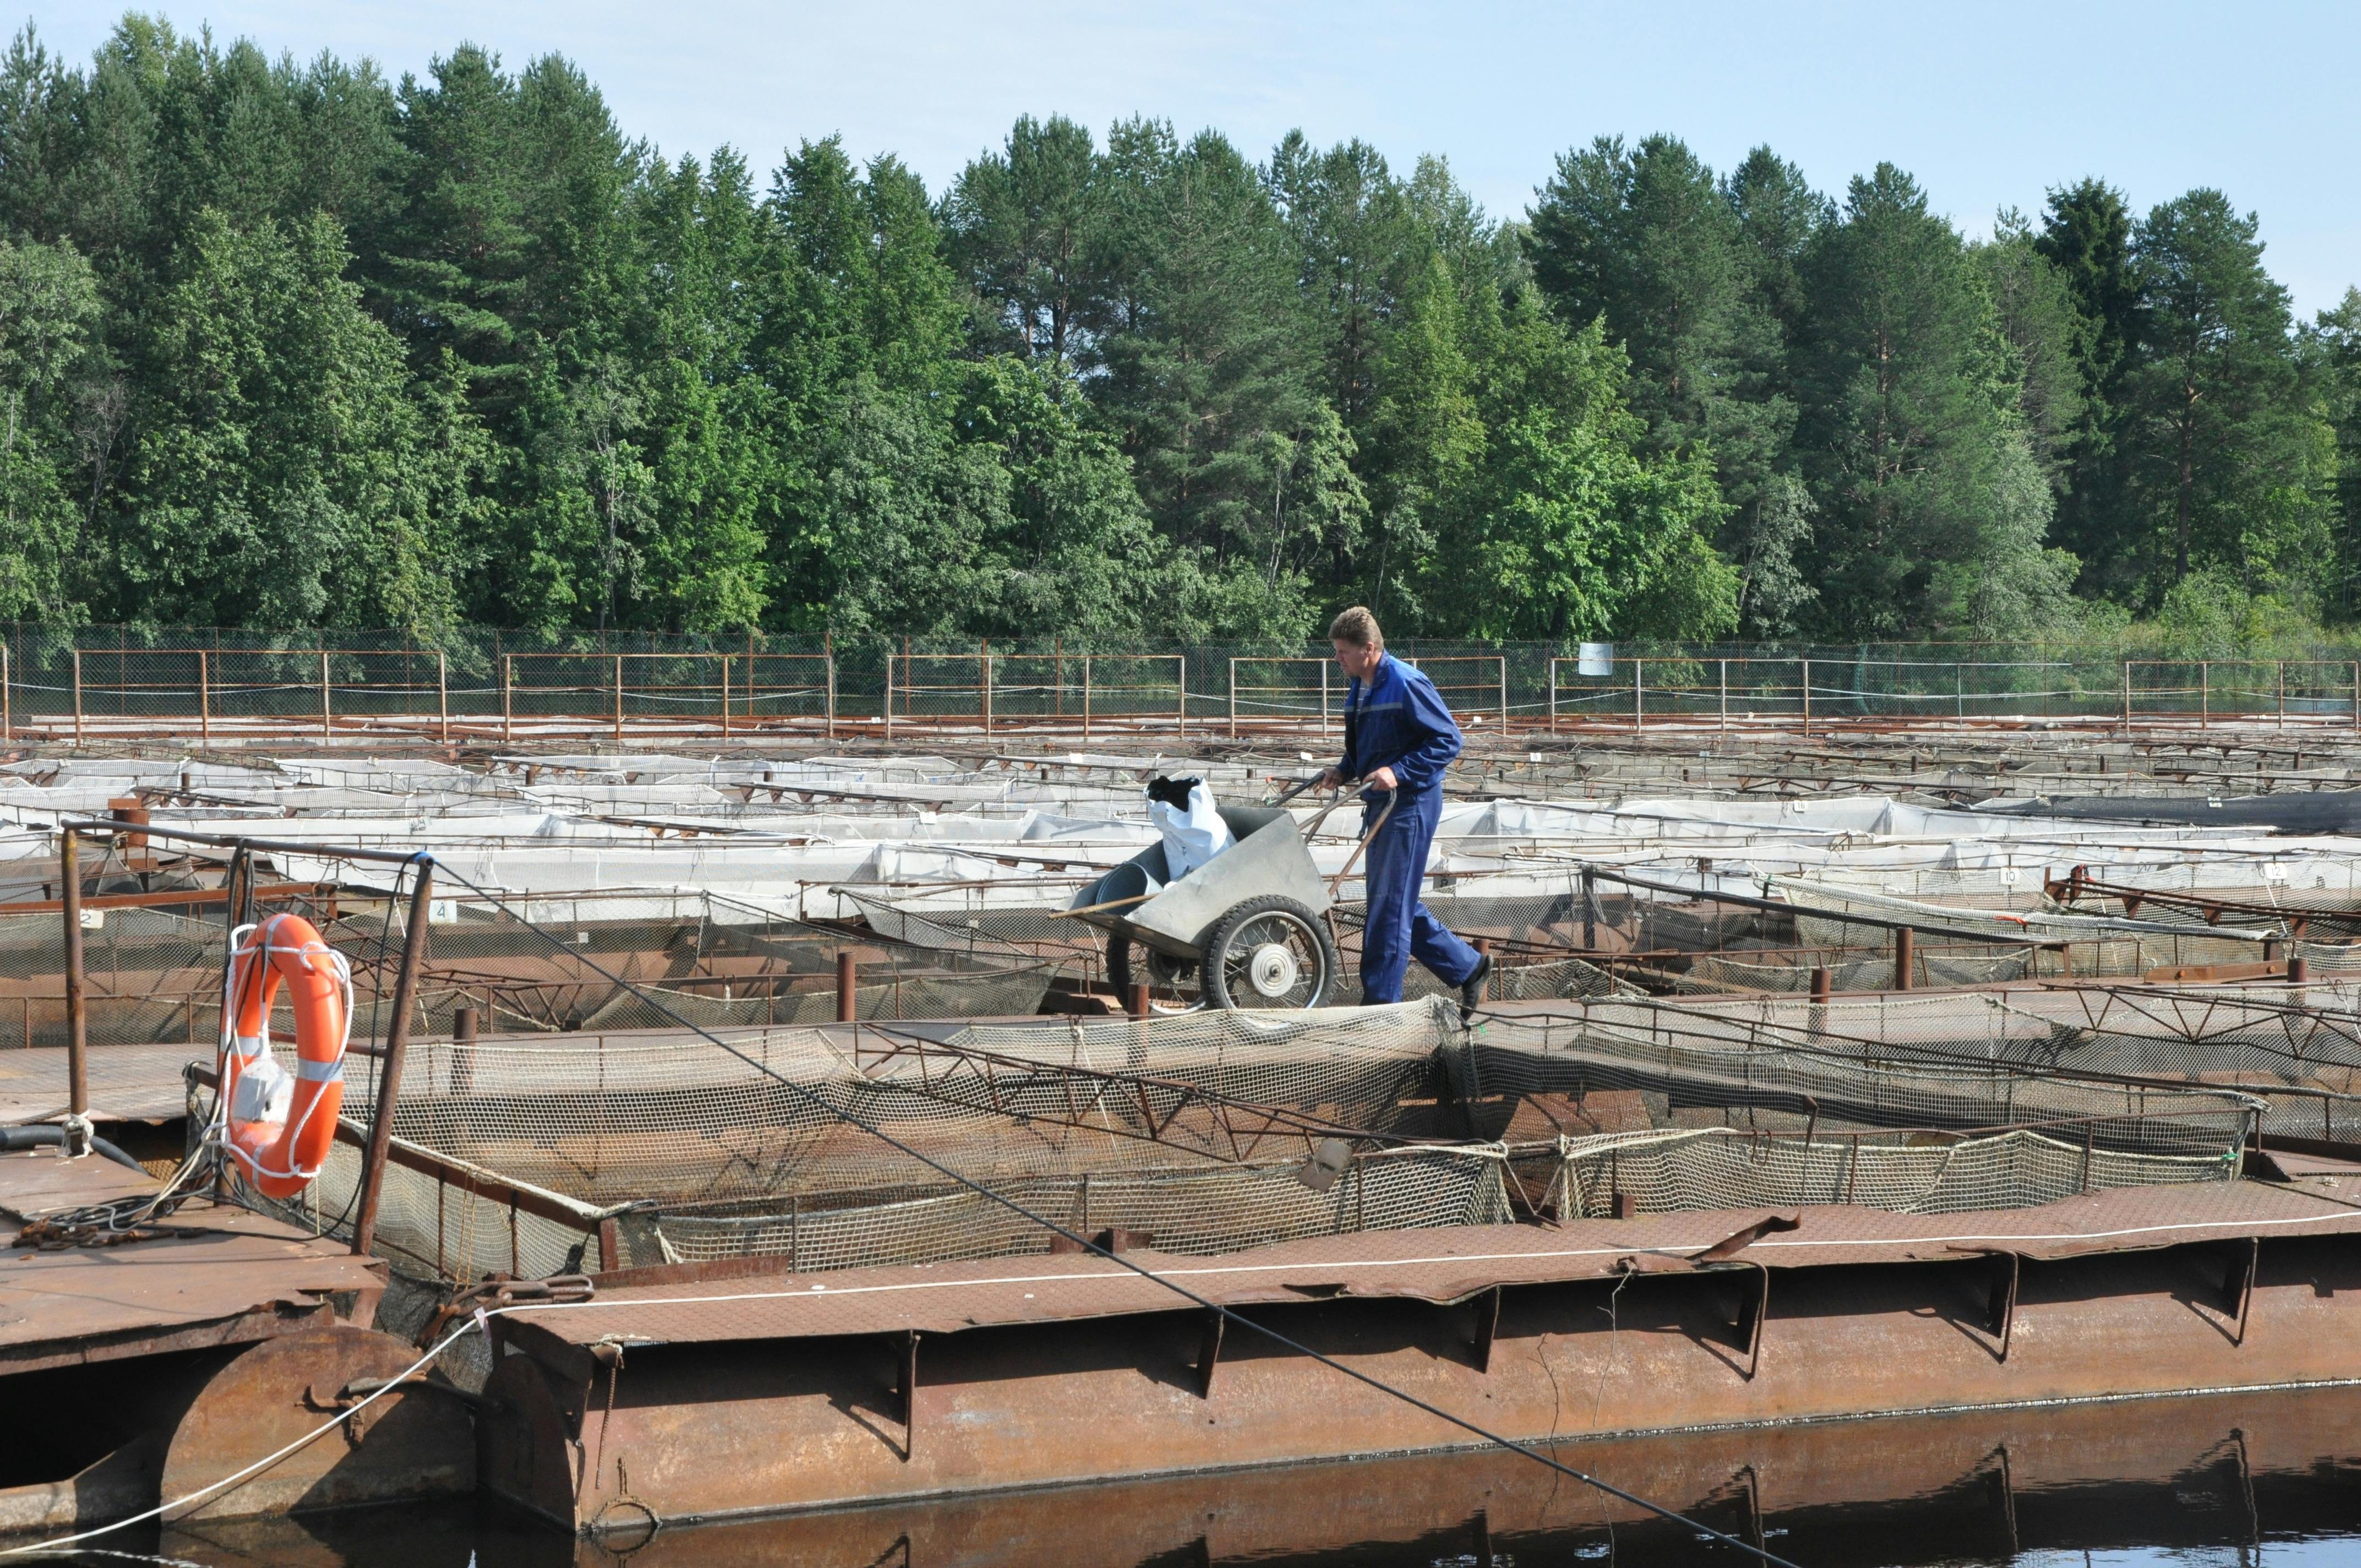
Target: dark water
[{"x": 2225, "y": 1478}]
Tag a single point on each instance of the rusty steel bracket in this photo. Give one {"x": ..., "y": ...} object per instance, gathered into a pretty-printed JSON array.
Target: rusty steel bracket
[
  {"x": 1209, "y": 1353},
  {"x": 1752, "y": 1311},
  {"x": 2238, "y": 1284},
  {"x": 1739, "y": 1240},
  {"x": 909, "y": 1393},
  {"x": 1487, "y": 1326},
  {"x": 2000, "y": 1305}
]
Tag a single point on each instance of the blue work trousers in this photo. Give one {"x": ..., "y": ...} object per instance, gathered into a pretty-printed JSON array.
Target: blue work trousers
[{"x": 1400, "y": 926}]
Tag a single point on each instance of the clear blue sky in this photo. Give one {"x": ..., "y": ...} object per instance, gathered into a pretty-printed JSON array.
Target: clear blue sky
[{"x": 1987, "y": 103}]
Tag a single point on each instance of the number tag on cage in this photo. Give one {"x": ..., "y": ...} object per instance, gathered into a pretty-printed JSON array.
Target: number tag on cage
[
  {"x": 442, "y": 912},
  {"x": 2008, "y": 876},
  {"x": 2277, "y": 873}
]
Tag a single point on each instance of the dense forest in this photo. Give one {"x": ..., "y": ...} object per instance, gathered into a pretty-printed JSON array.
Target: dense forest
[{"x": 290, "y": 344}]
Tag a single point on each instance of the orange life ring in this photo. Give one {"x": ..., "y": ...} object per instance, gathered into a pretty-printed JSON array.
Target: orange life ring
[{"x": 280, "y": 1127}]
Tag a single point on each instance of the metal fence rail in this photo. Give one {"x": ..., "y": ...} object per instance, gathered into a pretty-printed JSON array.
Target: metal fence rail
[{"x": 59, "y": 690}]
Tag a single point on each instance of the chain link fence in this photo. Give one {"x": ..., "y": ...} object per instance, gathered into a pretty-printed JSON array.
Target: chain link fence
[{"x": 119, "y": 682}]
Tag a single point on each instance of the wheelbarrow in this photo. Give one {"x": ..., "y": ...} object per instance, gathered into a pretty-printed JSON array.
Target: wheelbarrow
[{"x": 1251, "y": 923}]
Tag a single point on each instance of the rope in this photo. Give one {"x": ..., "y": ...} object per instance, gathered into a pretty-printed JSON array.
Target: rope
[{"x": 265, "y": 1463}]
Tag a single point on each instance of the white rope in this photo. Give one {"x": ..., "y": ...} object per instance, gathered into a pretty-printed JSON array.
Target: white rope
[{"x": 478, "y": 1321}]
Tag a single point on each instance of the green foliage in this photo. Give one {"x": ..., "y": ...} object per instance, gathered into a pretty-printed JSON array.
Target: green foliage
[{"x": 290, "y": 344}]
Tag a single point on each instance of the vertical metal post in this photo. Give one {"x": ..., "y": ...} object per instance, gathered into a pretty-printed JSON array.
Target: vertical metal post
[
  {"x": 2282, "y": 693},
  {"x": 1552, "y": 694},
  {"x": 2357, "y": 697},
  {"x": 508, "y": 705},
  {"x": 830, "y": 670},
  {"x": 983, "y": 675},
  {"x": 77, "y": 667},
  {"x": 1504, "y": 697},
  {"x": 205, "y": 696},
  {"x": 463, "y": 1049},
  {"x": 725, "y": 696},
  {"x": 1903, "y": 956},
  {"x": 1639, "y": 700},
  {"x": 442, "y": 692},
  {"x": 1725, "y": 693},
  {"x": 1058, "y": 677},
  {"x": 1234, "y": 699},
  {"x": 1324, "y": 696},
  {"x": 2127, "y": 697},
  {"x": 619, "y": 698},
  {"x": 327, "y": 704},
  {"x": 7, "y": 717},
  {"x": 77, "y": 1041},
  {"x": 1136, "y": 1003},
  {"x": 397, "y": 1046},
  {"x": 1181, "y": 685},
  {"x": 847, "y": 983},
  {"x": 2205, "y": 693},
  {"x": 1589, "y": 910},
  {"x": 1807, "y": 696},
  {"x": 1086, "y": 697}
]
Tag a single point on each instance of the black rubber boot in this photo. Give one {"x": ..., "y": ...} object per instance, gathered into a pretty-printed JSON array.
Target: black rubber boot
[{"x": 1471, "y": 990}]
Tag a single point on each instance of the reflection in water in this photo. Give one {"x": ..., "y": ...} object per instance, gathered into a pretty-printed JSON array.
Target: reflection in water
[{"x": 2225, "y": 1477}]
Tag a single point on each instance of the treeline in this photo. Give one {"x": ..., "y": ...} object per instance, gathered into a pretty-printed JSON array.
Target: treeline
[{"x": 290, "y": 345}]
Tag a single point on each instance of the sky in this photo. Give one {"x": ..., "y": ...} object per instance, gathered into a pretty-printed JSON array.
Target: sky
[{"x": 1989, "y": 105}]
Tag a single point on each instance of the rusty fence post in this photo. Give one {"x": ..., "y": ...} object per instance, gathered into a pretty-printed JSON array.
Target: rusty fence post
[
  {"x": 77, "y": 673},
  {"x": 327, "y": 702},
  {"x": 1180, "y": 685},
  {"x": 619, "y": 698},
  {"x": 1903, "y": 956},
  {"x": 397, "y": 1046},
  {"x": 7, "y": 714},
  {"x": 1234, "y": 699},
  {"x": 442, "y": 692},
  {"x": 205, "y": 696},
  {"x": 2204, "y": 694},
  {"x": 1086, "y": 697},
  {"x": 77, "y": 1040},
  {"x": 1807, "y": 696},
  {"x": 725, "y": 698},
  {"x": 1639, "y": 697},
  {"x": 508, "y": 685},
  {"x": 848, "y": 980}
]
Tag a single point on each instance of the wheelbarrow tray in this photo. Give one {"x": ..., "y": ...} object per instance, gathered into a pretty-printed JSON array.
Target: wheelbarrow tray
[{"x": 1268, "y": 856}]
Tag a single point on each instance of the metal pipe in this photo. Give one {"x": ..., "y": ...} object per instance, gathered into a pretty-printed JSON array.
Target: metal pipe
[
  {"x": 77, "y": 1044},
  {"x": 239, "y": 840},
  {"x": 397, "y": 1046},
  {"x": 847, "y": 978},
  {"x": 1902, "y": 955}
]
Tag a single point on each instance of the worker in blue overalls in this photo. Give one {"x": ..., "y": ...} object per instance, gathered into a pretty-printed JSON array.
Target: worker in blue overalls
[{"x": 1398, "y": 737}]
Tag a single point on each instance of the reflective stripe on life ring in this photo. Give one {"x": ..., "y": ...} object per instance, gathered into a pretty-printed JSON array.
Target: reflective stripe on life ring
[{"x": 281, "y": 1126}]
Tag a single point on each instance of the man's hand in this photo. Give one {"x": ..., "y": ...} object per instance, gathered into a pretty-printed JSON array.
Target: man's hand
[
  {"x": 1331, "y": 779},
  {"x": 1381, "y": 778}
]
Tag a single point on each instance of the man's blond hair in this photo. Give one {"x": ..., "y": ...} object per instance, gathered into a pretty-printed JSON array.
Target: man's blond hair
[{"x": 1358, "y": 627}]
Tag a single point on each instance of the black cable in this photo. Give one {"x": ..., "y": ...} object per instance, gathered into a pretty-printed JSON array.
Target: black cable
[{"x": 1511, "y": 1444}]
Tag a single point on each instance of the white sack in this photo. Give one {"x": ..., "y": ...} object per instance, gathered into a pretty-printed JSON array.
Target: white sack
[{"x": 1192, "y": 837}]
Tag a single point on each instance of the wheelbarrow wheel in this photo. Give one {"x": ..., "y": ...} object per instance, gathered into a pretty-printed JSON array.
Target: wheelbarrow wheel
[{"x": 1269, "y": 952}]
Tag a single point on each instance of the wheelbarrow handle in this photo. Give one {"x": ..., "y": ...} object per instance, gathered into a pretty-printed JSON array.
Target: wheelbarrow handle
[{"x": 1298, "y": 788}]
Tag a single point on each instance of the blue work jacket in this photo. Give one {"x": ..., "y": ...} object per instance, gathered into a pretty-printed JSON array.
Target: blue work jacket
[{"x": 1398, "y": 720}]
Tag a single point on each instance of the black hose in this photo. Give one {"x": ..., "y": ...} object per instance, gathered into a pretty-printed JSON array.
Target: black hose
[{"x": 48, "y": 1136}]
